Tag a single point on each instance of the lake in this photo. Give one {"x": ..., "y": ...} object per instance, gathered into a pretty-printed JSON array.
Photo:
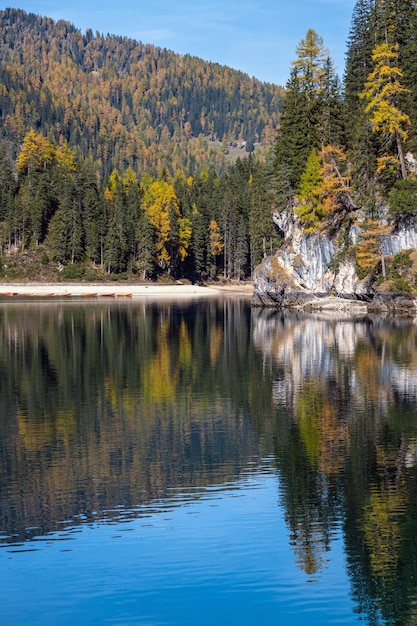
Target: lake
[{"x": 203, "y": 463}]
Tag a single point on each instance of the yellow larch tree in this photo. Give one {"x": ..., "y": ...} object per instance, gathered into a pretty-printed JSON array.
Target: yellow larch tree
[
  {"x": 161, "y": 205},
  {"x": 369, "y": 248},
  {"x": 335, "y": 179},
  {"x": 382, "y": 91}
]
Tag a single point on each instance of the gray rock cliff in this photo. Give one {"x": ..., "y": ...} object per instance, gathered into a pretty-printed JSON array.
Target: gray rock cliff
[{"x": 308, "y": 267}]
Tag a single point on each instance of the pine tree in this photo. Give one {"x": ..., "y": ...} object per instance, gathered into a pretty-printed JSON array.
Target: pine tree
[
  {"x": 312, "y": 112},
  {"x": 92, "y": 209},
  {"x": 115, "y": 253},
  {"x": 7, "y": 196},
  {"x": 66, "y": 234},
  {"x": 145, "y": 246},
  {"x": 298, "y": 131},
  {"x": 42, "y": 206},
  {"x": 360, "y": 45},
  {"x": 332, "y": 123},
  {"x": 262, "y": 230}
]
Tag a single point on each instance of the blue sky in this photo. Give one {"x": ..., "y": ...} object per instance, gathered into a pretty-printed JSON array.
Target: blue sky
[{"x": 256, "y": 36}]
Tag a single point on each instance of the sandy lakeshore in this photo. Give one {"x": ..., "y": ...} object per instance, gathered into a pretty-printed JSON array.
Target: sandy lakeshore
[{"x": 119, "y": 290}]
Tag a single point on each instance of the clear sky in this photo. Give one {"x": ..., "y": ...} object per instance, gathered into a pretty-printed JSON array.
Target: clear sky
[{"x": 258, "y": 37}]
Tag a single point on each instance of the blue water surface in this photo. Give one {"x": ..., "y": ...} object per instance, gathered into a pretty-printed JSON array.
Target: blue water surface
[{"x": 220, "y": 556}]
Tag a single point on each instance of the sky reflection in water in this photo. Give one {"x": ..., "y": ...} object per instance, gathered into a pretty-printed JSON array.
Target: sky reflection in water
[
  {"x": 221, "y": 558},
  {"x": 206, "y": 463}
]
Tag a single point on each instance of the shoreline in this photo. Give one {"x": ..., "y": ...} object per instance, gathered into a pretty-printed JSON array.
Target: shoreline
[{"x": 118, "y": 290}]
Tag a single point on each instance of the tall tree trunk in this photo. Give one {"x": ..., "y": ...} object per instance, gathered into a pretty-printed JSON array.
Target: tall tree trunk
[{"x": 401, "y": 157}]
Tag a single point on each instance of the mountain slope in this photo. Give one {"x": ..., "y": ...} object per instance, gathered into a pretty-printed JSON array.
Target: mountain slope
[{"x": 122, "y": 102}]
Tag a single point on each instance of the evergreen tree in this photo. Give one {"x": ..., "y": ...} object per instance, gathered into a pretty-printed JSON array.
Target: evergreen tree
[
  {"x": 240, "y": 252},
  {"x": 66, "y": 234},
  {"x": 312, "y": 112},
  {"x": 92, "y": 212},
  {"x": 361, "y": 42},
  {"x": 7, "y": 196},
  {"x": 42, "y": 206},
  {"x": 58, "y": 236},
  {"x": 407, "y": 61},
  {"x": 262, "y": 230},
  {"x": 115, "y": 253},
  {"x": 298, "y": 131},
  {"x": 145, "y": 249},
  {"x": 332, "y": 123}
]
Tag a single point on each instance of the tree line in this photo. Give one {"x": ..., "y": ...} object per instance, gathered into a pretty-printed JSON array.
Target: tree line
[
  {"x": 343, "y": 152},
  {"x": 211, "y": 224}
]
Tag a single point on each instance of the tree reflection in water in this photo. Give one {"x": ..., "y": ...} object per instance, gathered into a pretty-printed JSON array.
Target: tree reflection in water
[
  {"x": 109, "y": 406},
  {"x": 345, "y": 438}
]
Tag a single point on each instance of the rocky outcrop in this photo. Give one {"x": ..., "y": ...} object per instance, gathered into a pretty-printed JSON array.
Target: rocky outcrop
[{"x": 304, "y": 273}]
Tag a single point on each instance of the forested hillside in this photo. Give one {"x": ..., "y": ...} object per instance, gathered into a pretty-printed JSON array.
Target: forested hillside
[
  {"x": 105, "y": 168},
  {"x": 123, "y": 103}
]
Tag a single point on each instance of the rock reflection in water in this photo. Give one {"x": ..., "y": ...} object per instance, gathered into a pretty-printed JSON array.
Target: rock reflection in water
[{"x": 345, "y": 393}]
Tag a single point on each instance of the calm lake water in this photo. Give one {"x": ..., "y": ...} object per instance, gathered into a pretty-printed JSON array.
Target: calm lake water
[{"x": 203, "y": 463}]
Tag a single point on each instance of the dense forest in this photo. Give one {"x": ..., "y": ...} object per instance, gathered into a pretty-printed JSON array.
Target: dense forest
[
  {"x": 123, "y": 103},
  {"x": 115, "y": 155}
]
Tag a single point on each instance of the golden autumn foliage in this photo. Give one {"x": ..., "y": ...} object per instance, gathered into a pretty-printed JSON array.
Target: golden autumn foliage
[
  {"x": 324, "y": 187},
  {"x": 121, "y": 102},
  {"x": 161, "y": 205},
  {"x": 216, "y": 242},
  {"x": 335, "y": 179},
  {"x": 37, "y": 153},
  {"x": 184, "y": 236},
  {"x": 382, "y": 528},
  {"x": 368, "y": 249},
  {"x": 382, "y": 92}
]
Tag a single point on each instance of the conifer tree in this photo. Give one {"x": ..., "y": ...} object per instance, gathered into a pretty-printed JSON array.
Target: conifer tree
[
  {"x": 362, "y": 143},
  {"x": 312, "y": 112},
  {"x": 332, "y": 122},
  {"x": 310, "y": 63},
  {"x": 92, "y": 213},
  {"x": 297, "y": 133},
  {"x": 7, "y": 195},
  {"x": 382, "y": 91},
  {"x": 335, "y": 187},
  {"x": 369, "y": 248},
  {"x": 360, "y": 44},
  {"x": 310, "y": 207},
  {"x": 145, "y": 249},
  {"x": 42, "y": 206},
  {"x": 66, "y": 234},
  {"x": 262, "y": 231},
  {"x": 115, "y": 253},
  {"x": 161, "y": 205}
]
